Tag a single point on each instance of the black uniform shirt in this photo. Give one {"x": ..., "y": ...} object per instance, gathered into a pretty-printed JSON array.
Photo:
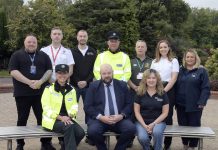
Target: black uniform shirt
[{"x": 151, "y": 107}]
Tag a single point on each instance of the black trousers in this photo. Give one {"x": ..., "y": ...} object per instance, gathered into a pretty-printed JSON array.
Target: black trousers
[
  {"x": 24, "y": 104},
  {"x": 73, "y": 134},
  {"x": 169, "y": 119},
  {"x": 189, "y": 119}
]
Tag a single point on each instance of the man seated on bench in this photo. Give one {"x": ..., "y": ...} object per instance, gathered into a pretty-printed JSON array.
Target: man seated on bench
[
  {"x": 108, "y": 106},
  {"x": 60, "y": 107}
]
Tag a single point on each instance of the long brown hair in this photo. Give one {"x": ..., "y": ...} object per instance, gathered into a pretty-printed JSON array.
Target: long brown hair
[
  {"x": 143, "y": 85},
  {"x": 157, "y": 52}
]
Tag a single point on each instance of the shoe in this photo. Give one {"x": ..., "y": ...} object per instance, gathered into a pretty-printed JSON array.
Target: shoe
[
  {"x": 62, "y": 145},
  {"x": 47, "y": 146},
  {"x": 90, "y": 142},
  {"x": 19, "y": 147},
  {"x": 130, "y": 144}
]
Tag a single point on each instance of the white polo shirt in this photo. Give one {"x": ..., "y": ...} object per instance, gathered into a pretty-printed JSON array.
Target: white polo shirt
[
  {"x": 60, "y": 55},
  {"x": 165, "y": 68}
]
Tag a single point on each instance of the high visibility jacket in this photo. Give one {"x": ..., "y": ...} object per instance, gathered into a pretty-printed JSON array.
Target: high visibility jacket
[
  {"x": 51, "y": 104},
  {"x": 120, "y": 63}
]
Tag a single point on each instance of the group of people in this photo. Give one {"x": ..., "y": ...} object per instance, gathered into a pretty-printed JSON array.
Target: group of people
[{"x": 129, "y": 97}]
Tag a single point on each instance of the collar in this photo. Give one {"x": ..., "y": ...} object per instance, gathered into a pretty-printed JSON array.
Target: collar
[
  {"x": 117, "y": 51},
  {"x": 58, "y": 87}
]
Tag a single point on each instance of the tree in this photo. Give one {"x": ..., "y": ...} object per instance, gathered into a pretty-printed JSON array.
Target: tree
[
  {"x": 99, "y": 17},
  {"x": 212, "y": 64},
  {"x": 39, "y": 17}
]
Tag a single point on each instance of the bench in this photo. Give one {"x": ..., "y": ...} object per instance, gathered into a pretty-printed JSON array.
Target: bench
[{"x": 14, "y": 132}]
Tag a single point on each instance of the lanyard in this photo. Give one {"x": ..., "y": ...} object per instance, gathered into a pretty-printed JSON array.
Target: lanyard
[
  {"x": 32, "y": 59},
  {"x": 55, "y": 57},
  {"x": 140, "y": 66}
]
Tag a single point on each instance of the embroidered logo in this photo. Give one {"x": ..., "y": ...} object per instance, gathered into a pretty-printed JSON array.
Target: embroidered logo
[{"x": 159, "y": 99}]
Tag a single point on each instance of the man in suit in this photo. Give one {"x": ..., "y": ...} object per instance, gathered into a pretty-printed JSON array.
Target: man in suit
[{"x": 108, "y": 107}]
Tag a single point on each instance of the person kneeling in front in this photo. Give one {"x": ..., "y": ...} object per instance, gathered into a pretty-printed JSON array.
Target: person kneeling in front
[
  {"x": 60, "y": 107},
  {"x": 151, "y": 107},
  {"x": 108, "y": 107}
]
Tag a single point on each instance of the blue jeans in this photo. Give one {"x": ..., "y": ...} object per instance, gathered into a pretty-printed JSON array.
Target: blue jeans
[{"x": 157, "y": 134}]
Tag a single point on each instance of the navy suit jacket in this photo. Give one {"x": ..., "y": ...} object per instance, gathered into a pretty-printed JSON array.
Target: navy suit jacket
[{"x": 95, "y": 99}]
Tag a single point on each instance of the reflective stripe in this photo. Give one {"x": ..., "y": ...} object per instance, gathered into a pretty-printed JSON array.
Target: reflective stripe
[
  {"x": 124, "y": 58},
  {"x": 101, "y": 58},
  {"x": 47, "y": 118},
  {"x": 118, "y": 72},
  {"x": 49, "y": 113},
  {"x": 97, "y": 69}
]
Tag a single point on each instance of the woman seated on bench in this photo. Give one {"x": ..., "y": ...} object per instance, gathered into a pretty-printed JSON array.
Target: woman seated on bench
[
  {"x": 60, "y": 107},
  {"x": 151, "y": 108},
  {"x": 192, "y": 93}
]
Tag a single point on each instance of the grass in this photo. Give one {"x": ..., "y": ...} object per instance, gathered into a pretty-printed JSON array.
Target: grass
[{"x": 4, "y": 73}]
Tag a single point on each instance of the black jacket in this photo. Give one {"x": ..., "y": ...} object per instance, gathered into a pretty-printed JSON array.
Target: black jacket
[{"x": 83, "y": 68}]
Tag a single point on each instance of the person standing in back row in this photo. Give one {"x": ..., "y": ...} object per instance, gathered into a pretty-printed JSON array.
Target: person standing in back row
[
  {"x": 84, "y": 57},
  {"x": 168, "y": 68},
  {"x": 119, "y": 61},
  {"x": 57, "y": 53},
  {"x": 30, "y": 70}
]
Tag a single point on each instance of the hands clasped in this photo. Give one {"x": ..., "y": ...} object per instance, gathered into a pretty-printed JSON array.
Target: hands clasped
[
  {"x": 35, "y": 84},
  {"x": 112, "y": 119}
]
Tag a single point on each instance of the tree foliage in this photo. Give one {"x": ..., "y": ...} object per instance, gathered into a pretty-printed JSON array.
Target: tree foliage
[
  {"x": 38, "y": 17},
  {"x": 212, "y": 64}
]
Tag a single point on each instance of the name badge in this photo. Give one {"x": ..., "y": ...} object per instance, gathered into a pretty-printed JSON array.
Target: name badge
[
  {"x": 119, "y": 65},
  {"x": 33, "y": 69},
  {"x": 139, "y": 75}
]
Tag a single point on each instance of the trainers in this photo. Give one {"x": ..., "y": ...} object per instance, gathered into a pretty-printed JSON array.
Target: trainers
[
  {"x": 19, "y": 147},
  {"x": 47, "y": 146}
]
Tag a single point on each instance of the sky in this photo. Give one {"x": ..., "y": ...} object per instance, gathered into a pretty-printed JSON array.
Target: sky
[{"x": 213, "y": 4}]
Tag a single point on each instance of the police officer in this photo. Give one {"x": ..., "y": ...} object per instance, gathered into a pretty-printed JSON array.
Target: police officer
[
  {"x": 60, "y": 107},
  {"x": 119, "y": 61}
]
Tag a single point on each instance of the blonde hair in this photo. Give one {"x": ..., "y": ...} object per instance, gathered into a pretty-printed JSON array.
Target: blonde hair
[
  {"x": 157, "y": 52},
  {"x": 197, "y": 58},
  {"x": 143, "y": 85}
]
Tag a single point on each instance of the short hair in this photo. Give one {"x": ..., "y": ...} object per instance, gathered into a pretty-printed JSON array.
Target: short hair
[
  {"x": 143, "y": 85},
  {"x": 169, "y": 54},
  {"x": 141, "y": 41},
  {"x": 30, "y": 34},
  {"x": 82, "y": 30},
  {"x": 56, "y": 28},
  {"x": 197, "y": 58}
]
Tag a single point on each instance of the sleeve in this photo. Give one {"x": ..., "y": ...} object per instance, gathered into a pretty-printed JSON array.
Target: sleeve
[
  {"x": 205, "y": 88},
  {"x": 13, "y": 63},
  {"x": 70, "y": 59},
  {"x": 46, "y": 104},
  {"x": 152, "y": 65},
  {"x": 138, "y": 100},
  {"x": 175, "y": 65},
  {"x": 89, "y": 106},
  {"x": 127, "y": 69},
  {"x": 165, "y": 99},
  {"x": 96, "y": 69},
  {"x": 48, "y": 62}
]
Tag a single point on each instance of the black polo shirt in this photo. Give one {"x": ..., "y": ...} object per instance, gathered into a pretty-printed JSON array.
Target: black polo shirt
[
  {"x": 83, "y": 68},
  {"x": 151, "y": 106},
  {"x": 20, "y": 60}
]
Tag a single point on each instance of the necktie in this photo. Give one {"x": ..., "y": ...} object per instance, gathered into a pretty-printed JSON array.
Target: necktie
[{"x": 110, "y": 101}]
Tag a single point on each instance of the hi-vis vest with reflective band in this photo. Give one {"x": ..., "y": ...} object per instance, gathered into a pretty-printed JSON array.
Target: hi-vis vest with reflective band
[
  {"x": 51, "y": 105},
  {"x": 120, "y": 63}
]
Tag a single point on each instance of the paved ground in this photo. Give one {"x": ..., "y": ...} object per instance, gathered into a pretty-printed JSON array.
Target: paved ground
[{"x": 8, "y": 118}]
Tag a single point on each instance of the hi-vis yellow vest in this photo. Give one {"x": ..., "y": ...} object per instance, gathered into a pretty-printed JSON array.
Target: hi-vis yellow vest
[
  {"x": 51, "y": 105},
  {"x": 120, "y": 63}
]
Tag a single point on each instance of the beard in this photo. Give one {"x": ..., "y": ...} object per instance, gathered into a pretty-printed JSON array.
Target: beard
[{"x": 107, "y": 80}]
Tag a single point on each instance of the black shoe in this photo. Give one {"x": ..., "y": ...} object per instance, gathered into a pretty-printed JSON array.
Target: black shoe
[
  {"x": 62, "y": 145},
  {"x": 19, "y": 147},
  {"x": 130, "y": 144},
  {"x": 90, "y": 142},
  {"x": 47, "y": 146}
]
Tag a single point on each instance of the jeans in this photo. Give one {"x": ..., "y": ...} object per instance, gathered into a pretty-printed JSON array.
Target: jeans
[{"x": 143, "y": 136}]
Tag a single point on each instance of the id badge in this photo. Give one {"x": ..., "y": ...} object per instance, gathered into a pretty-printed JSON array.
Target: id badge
[
  {"x": 139, "y": 75},
  {"x": 53, "y": 68},
  {"x": 33, "y": 69}
]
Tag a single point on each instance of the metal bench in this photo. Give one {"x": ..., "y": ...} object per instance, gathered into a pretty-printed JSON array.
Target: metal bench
[{"x": 14, "y": 132}]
